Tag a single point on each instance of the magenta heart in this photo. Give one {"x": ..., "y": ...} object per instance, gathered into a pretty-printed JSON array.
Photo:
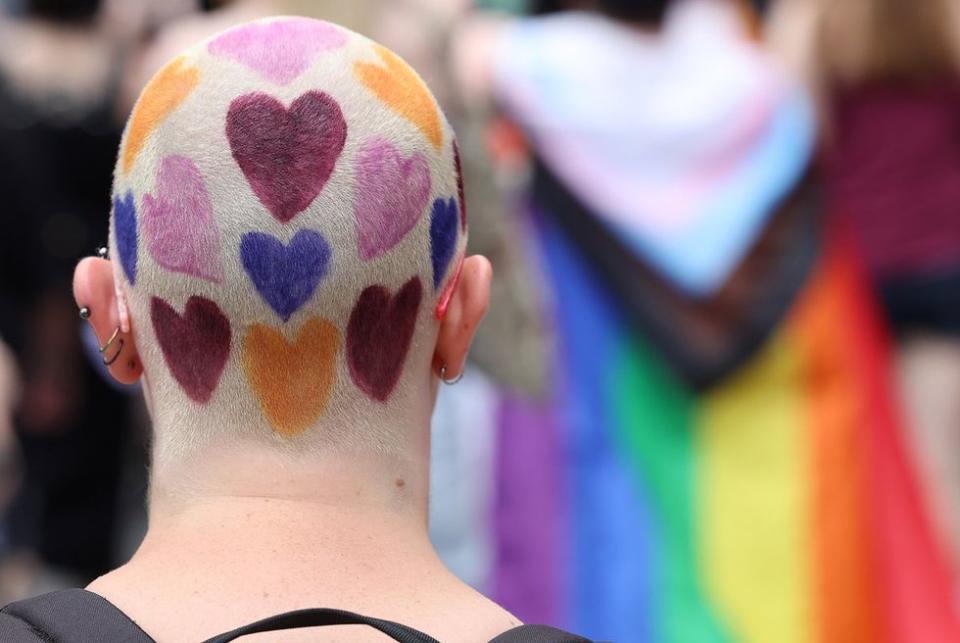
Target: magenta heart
[
  {"x": 379, "y": 334},
  {"x": 280, "y": 50},
  {"x": 195, "y": 346},
  {"x": 392, "y": 193},
  {"x": 287, "y": 155},
  {"x": 178, "y": 221},
  {"x": 460, "y": 193}
]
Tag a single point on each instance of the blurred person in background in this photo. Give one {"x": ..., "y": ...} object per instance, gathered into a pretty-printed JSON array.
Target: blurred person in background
[
  {"x": 59, "y": 76},
  {"x": 887, "y": 74},
  {"x": 722, "y": 459}
]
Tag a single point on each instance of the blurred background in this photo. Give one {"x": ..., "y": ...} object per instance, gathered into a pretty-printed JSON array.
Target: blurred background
[{"x": 717, "y": 397}]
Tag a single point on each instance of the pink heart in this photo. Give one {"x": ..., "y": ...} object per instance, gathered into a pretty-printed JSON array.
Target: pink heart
[
  {"x": 178, "y": 221},
  {"x": 392, "y": 192},
  {"x": 287, "y": 155},
  {"x": 280, "y": 50}
]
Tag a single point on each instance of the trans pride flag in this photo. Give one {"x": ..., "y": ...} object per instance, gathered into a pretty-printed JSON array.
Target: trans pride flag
[{"x": 770, "y": 502}]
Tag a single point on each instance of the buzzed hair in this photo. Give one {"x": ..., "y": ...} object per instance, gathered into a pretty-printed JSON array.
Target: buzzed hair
[{"x": 288, "y": 226}]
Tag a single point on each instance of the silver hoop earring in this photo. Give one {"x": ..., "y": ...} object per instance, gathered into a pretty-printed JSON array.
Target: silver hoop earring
[
  {"x": 443, "y": 378},
  {"x": 103, "y": 252},
  {"x": 107, "y": 361}
]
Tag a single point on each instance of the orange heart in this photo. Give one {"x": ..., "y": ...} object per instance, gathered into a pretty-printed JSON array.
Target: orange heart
[
  {"x": 403, "y": 91},
  {"x": 293, "y": 382},
  {"x": 167, "y": 89}
]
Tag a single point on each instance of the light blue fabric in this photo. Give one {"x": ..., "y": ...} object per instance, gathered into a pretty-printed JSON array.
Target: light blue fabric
[
  {"x": 682, "y": 143},
  {"x": 701, "y": 258}
]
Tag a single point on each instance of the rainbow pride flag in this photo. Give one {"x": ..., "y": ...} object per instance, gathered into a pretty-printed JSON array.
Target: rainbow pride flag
[
  {"x": 719, "y": 457},
  {"x": 775, "y": 506}
]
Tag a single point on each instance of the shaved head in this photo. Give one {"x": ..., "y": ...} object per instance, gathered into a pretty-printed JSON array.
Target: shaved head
[{"x": 287, "y": 229}]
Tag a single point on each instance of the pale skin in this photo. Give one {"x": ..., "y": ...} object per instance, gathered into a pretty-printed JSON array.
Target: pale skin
[{"x": 258, "y": 532}]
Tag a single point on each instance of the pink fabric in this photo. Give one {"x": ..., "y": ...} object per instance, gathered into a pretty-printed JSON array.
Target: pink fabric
[{"x": 894, "y": 171}]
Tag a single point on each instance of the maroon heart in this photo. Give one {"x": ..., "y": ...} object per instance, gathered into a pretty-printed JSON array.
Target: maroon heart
[
  {"x": 379, "y": 334},
  {"x": 195, "y": 346},
  {"x": 287, "y": 155}
]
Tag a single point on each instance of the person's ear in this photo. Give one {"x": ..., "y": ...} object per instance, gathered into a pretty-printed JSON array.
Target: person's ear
[
  {"x": 96, "y": 296},
  {"x": 467, "y": 307}
]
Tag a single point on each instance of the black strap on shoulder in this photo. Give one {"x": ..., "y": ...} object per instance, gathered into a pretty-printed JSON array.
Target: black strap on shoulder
[
  {"x": 79, "y": 616},
  {"x": 68, "y": 616},
  {"x": 538, "y": 634},
  {"x": 401, "y": 633},
  {"x": 318, "y": 617}
]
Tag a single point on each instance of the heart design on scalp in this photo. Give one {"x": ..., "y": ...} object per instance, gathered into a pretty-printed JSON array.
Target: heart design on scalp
[
  {"x": 160, "y": 97},
  {"x": 178, "y": 222},
  {"x": 379, "y": 334},
  {"x": 195, "y": 346},
  {"x": 125, "y": 233},
  {"x": 280, "y": 50},
  {"x": 396, "y": 84},
  {"x": 287, "y": 155},
  {"x": 461, "y": 197},
  {"x": 444, "y": 225},
  {"x": 392, "y": 193},
  {"x": 285, "y": 276},
  {"x": 292, "y": 380}
]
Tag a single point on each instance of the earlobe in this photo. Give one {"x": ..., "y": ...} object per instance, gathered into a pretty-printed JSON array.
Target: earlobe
[
  {"x": 96, "y": 297},
  {"x": 465, "y": 311}
]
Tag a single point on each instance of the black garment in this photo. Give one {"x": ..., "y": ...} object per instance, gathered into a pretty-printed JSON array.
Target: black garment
[
  {"x": 923, "y": 303},
  {"x": 56, "y": 163},
  {"x": 79, "y": 616}
]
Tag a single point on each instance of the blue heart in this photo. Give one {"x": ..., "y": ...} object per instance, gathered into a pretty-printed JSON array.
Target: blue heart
[
  {"x": 443, "y": 236},
  {"x": 125, "y": 232},
  {"x": 285, "y": 275}
]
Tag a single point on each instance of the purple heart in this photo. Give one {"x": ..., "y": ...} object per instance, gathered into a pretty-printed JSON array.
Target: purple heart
[
  {"x": 285, "y": 276},
  {"x": 379, "y": 334},
  {"x": 125, "y": 233},
  {"x": 287, "y": 155},
  {"x": 444, "y": 224},
  {"x": 392, "y": 192},
  {"x": 280, "y": 50},
  {"x": 195, "y": 345}
]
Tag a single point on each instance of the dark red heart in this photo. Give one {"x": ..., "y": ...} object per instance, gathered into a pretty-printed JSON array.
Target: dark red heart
[
  {"x": 287, "y": 155},
  {"x": 195, "y": 346},
  {"x": 379, "y": 334}
]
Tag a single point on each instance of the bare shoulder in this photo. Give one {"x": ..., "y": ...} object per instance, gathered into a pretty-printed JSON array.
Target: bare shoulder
[
  {"x": 437, "y": 604},
  {"x": 471, "y": 616}
]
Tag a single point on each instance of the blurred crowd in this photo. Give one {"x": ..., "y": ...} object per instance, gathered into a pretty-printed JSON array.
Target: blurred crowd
[{"x": 718, "y": 393}]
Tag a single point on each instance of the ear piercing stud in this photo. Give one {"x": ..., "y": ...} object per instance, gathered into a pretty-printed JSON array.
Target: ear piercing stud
[{"x": 104, "y": 253}]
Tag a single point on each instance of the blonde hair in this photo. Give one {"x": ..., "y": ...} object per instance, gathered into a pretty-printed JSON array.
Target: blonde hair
[{"x": 862, "y": 40}]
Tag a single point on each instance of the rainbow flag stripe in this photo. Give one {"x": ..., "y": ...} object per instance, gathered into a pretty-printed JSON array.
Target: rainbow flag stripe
[{"x": 775, "y": 506}]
